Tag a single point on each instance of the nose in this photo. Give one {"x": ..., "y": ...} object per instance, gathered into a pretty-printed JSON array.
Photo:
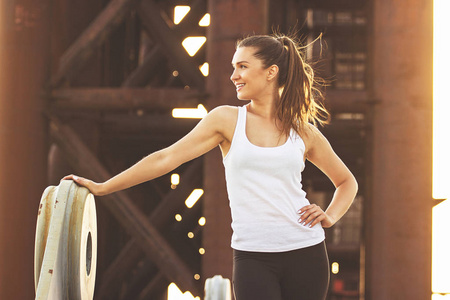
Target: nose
[{"x": 234, "y": 76}]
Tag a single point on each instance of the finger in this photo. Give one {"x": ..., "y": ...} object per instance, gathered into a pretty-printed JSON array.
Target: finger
[
  {"x": 317, "y": 221},
  {"x": 79, "y": 180},
  {"x": 73, "y": 177},
  {"x": 313, "y": 222},
  {"x": 304, "y": 216},
  {"x": 68, "y": 177},
  {"x": 312, "y": 217},
  {"x": 82, "y": 181},
  {"x": 306, "y": 208},
  {"x": 313, "y": 209}
]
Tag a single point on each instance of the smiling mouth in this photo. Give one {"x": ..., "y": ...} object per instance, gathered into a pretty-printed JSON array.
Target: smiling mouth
[{"x": 239, "y": 86}]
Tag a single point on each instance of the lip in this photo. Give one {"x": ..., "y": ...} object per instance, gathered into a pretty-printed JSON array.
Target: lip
[{"x": 239, "y": 86}]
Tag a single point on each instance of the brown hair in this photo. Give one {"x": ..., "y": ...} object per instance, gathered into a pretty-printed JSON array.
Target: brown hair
[{"x": 300, "y": 101}]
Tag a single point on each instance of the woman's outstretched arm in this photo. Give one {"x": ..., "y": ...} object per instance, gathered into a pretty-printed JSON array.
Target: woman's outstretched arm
[{"x": 208, "y": 133}]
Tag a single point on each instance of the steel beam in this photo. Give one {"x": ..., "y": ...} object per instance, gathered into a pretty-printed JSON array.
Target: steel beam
[
  {"x": 25, "y": 29},
  {"x": 189, "y": 24},
  {"x": 141, "y": 75},
  {"x": 124, "y": 98},
  {"x": 157, "y": 282},
  {"x": 131, "y": 253},
  {"x": 398, "y": 211},
  {"x": 79, "y": 52},
  {"x": 158, "y": 29}
]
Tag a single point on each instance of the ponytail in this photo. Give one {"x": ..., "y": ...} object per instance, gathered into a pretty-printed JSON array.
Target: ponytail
[{"x": 300, "y": 100}]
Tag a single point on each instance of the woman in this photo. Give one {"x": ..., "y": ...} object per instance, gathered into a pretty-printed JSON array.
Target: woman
[{"x": 278, "y": 237}]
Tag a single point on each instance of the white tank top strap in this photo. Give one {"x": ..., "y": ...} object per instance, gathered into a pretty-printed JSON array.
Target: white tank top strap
[
  {"x": 241, "y": 123},
  {"x": 239, "y": 130}
]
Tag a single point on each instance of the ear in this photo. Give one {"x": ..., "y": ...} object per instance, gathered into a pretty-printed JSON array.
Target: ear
[{"x": 272, "y": 72}]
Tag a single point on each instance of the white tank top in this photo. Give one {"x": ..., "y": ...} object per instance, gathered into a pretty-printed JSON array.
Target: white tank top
[{"x": 265, "y": 192}]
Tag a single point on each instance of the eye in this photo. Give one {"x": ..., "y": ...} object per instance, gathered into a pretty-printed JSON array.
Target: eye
[{"x": 242, "y": 67}]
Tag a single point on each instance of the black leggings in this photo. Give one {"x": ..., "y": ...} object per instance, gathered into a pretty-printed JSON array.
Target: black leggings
[{"x": 301, "y": 274}]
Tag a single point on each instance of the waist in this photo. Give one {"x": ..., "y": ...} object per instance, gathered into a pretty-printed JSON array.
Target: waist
[{"x": 283, "y": 234}]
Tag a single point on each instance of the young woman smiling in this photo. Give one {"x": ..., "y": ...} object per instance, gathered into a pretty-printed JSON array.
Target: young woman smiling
[{"x": 278, "y": 237}]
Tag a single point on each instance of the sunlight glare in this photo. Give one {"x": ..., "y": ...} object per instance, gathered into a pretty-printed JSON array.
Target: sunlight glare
[
  {"x": 193, "y": 197},
  {"x": 440, "y": 297},
  {"x": 193, "y": 43},
  {"x": 441, "y": 248},
  {"x": 205, "y": 69},
  {"x": 202, "y": 221},
  {"x": 205, "y": 21},
  {"x": 441, "y": 103},
  {"x": 174, "y": 293},
  {"x": 179, "y": 12},
  {"x": 190, "y": 113},
  {"x": 175, "y": 179},
  {"x": 335, "y": 268}
]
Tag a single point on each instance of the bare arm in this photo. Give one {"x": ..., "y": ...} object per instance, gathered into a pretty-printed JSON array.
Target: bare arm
[
  {"x": 321, "y": 154},
  {"x": 208, "y": 133}
]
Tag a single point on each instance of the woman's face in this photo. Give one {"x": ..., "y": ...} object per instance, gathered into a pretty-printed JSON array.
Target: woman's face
[{"x": 249, "y": 76}]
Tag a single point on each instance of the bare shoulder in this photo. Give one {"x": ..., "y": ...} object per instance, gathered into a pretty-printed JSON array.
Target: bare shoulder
[
  {"x": 225, "y": 112},
  {"x": 224, "y": 115},
  {"x": 224, "y": 119},
  {"x": 313, "y": 139}
]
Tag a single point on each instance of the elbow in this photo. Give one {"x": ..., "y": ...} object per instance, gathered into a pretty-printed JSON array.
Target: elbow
[
  {"x": 355, "y": 184},
  {"x": 356, "y": 189},
  {"x": 349, "y": 185}
]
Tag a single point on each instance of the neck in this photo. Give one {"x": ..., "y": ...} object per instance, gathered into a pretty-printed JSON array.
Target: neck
[{"x": 264, "y": 106}]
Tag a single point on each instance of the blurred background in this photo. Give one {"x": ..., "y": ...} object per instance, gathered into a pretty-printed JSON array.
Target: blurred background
[{"x": 91, "y": 86}]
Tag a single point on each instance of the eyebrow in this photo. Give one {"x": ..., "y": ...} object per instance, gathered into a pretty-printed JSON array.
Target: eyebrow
[{"x": 240, "y": 62}]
